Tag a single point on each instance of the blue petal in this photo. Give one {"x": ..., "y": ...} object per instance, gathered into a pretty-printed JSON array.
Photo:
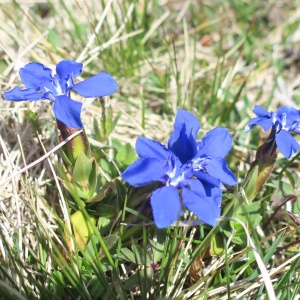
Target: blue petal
[
  {"x": 205, "y": 177},
  {"x": 203, "y": 207},
  {"x": 33, "y": 75},
  {"x": 210, "y": 185},
  {"x": 144, "y": 171},
  {"x": 67, "y": 67},
  {"x": 187, "y": 118},
  {"x": 288, "y": 116},
  {"x": 261, "y": 112},
  {"x": 185, "y": 147},
  {"x": 196, "y": 186},
  {"x": 264, "y": 119},
  {"x": 67, "y": 111},
  {"x": 182, "y": 141},
  {"x": 102, "y": 84},
  {"x": 291, "y": 112},
  {"x": 287, "y": 145},
  {"x": 266, "y": 124},
  {"x": 216, "y": 143},
  {"x": 150, "y": 148},
  {"x": 166, "y": 206},
  {"x": 17, "y": 94},
  {"x": 217, "y": 168}
]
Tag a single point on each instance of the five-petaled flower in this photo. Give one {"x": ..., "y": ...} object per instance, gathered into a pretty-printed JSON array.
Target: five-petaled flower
[
  {"x": 41, "y": 85},
  {"x": 192, "y": 172},
  {"x": 285, "y": 120}
]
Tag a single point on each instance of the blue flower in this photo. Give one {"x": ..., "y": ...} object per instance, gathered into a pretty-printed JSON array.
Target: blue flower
[
  {"x": 191, "y": 171},
  {"x": 285, "y": 120},
  {"x": 41, "y": 85}
]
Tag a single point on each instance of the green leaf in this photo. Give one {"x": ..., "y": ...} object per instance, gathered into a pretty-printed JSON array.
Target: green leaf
[
  {"x": 121, "y": 194},
  {"x": 286, "y": 188},
  {"x": 82, "y": 228},
  {"x": 111, "y": 241},
  {"x": 138, "y": 278},
  {"x": 108, "y": 190},
  {"x": 157, "y": 250},
  {"x": 253, "y": 213},
  {"x": 103, "y": 222},
  {"x": 93, "y": 178},
  {"x": 108, "y": 121},
  {"x": 82, "y": 170},
  {"x": 248, "y": 214},
  {"x": 92, "y": 248},
  {"x": 114, "y": 123},
  {"x": 127, "y": 254},
  {"x": 141, "y": 257},
  {"x": 76, "y": 191},
  {"x": 97, "y": 131},
  {"x": 101, "y": 209},
  {"x": 126, "y": 155},
  {"x": 216, "y": 245},
  {"x": 94, "y": 244},
  {"x": 136, "y": 256},
  {"x": 296, "y": 206},
  {"x": 250, "y": 182},
  {"x": 65, "y": 157},
  {"x": 292, "y": 176}
]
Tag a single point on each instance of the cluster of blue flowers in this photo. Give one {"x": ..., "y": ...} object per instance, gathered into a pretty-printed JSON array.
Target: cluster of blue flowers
[
  {"x": 192, "y": 172},
  {"x": 41, "y": 85}
]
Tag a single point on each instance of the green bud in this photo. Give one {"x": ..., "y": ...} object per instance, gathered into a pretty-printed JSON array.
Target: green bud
[{"x": 262, "y": 167}]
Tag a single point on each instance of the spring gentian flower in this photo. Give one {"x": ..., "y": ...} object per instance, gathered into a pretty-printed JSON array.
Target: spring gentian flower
[
  {"x": 285, "y": 120},
  {"x": 41, "y": 85},
  {"x": 191, "y": 172}
]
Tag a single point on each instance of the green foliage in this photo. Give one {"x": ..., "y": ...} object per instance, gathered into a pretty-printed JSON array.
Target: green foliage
[
  {"x": 126, "y": 155},
  {"x": 248, "y": 214}
]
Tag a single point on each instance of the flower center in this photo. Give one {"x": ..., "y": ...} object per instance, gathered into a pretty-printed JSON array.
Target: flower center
[
  {"x": 57, "y": 87},
  {"x": 177, "y": 172},
  {"x": 198, "y": 163}
]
